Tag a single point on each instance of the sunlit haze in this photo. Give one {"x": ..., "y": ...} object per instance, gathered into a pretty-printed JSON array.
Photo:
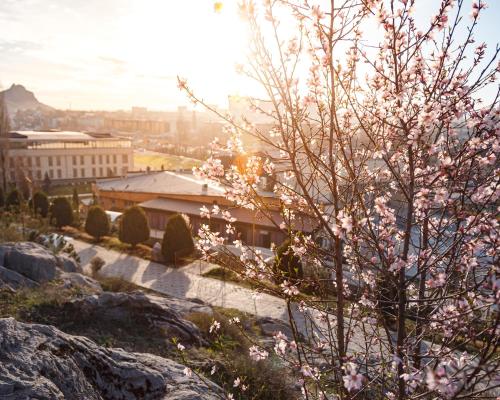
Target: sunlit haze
[
  {"x": 111, "y": 54},
  {"x": 114, "y": 54}
]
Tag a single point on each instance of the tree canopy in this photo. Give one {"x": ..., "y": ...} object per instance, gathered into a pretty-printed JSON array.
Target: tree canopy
[
  {"x": 40, "y": 204},
  {"x": 134, "y": 227},
  {"x": 97, "y": 222},
  {"x": 177, "y": 239},
  {"x": 61, "y": 212}
]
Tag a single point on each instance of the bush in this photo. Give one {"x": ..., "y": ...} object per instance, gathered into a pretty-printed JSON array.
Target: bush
[
  {"x": 2, "y": 199},
  {"x": 96, "y": 263},
  {"x": 97, "y": 223},
  {"x": 40, "y": 204},
  {"x": 177, "y": 240},
  {"x": 287, "y": 265},
  {"x": 13, "y": 200},
  {"x": 134, "y": 227},
  {"x": 61, "y": 212}
]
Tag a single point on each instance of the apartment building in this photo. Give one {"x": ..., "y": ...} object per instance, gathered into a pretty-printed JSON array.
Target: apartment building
[{"x": 65, "y": 155}]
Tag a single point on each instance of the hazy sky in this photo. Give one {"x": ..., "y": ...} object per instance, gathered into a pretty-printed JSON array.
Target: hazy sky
[{"x": 112, "y": 54}]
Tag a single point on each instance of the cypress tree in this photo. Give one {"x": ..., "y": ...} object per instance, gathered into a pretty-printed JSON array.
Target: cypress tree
[
  {"x": 97, "y": 223},
  {"x": 40, "y": 204},
  {"x": 61, "y": 212},
  {"x": 134, "y": 227},
  {"x": 13, "y": 200},
  {"x": 177, "y": 240},
  {"x": 287, "y": 264}
]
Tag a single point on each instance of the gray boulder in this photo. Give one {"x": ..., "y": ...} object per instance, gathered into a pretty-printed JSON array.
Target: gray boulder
[
  {"x": 271, "y": 326},
  {"x": 165, "y": 313},
  {"x": 29, "y": 259},
  {"x": 41, "y": 362},
  {"x": 14, "y": 280},
  {"x": 75, "y": 279},
  {"x": 67, "y": 264}
]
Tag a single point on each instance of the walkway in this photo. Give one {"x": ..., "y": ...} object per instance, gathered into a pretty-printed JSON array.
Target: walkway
[{"x": 181, "y": 282}]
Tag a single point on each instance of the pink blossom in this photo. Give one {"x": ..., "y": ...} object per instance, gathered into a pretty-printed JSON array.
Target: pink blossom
[{"x": 257, "y": 354}]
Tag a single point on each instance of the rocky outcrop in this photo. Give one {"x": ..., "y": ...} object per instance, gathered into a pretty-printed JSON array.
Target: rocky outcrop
[
  {"x": 67, "y": 264},
  {"x": 14, "y": 280},
  {"x": 165, "y": 313},
  {"x": 74, "y": 280},
  {"x": 29, "y": 259},
  {"x": 27, "y": 264},
  {"x": 41, "y": 362}
]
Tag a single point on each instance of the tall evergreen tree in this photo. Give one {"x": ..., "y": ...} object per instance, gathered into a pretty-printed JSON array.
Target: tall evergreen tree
[
  {"x": 61, "y": 212},
  {"x": 40, "y": 204},
  {"x": 177, "y": 240},
  {"x": 46, "y": 183},
  {"x": 134, "y": 227},
  {"x": 97, "y": 223},
  {"x": 75, "y": 199},
  {"x": 13, "y": 200}
]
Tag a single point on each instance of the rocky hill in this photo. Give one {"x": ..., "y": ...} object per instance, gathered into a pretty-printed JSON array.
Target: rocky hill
[{"x": 18, "y": 98}]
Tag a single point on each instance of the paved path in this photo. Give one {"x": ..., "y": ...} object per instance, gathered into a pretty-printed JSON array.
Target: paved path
[
  {"x": 183, "y": 282},
  {"x": 186, "y": 282}
]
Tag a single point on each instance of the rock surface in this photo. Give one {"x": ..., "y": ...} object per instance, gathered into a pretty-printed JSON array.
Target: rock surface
[
  {"x": 75, "y": 279},
  {"x": 14, "y": 280},
  {"x": 162, "y": 312},
  {"x": 41, "y": 362},
  {"x": 29, "y": 259},
  {"x": 67, "y": 264},
  {"x": 271, "y": 327}
]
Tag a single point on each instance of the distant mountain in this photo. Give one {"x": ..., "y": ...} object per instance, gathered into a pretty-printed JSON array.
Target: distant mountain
[{"x": 18, "y": 98}]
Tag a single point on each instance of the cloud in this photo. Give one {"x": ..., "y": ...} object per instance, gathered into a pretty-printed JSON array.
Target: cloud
[
  {"x": 18, "y": 46},
  {"x": 112, "y": 60}
]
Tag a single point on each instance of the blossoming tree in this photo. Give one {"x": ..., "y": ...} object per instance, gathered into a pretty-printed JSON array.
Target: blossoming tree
[{"x": 381, "y": 139}]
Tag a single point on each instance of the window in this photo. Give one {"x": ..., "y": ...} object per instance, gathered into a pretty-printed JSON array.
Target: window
[
  {"x": 93, "y": 160},
  {"x": 29, "y": 162},
  {"x": 59, "y": 174},
  {"x": 75, "y": 172},
  {"x": 93, "y": 170},
  {"x": 114, "y": 158},
  {"x": 51, "y": 173},
  {"x": 100, "y": 171},
  {"x": 114, "y": 171},
  {"x": 39, "y": 174},
  {"x": 125, "y": 158},
  {"x": 50, "y": 161},
  {"x": 100, "y": 160},
  {"x": 37, "y": 161},
  {"x": 74, "y": 160},
  {"x": 58, "y": 161},
  {"x": 107, "y": 159},
  {"x": 82, "y": 160},
  {"x": 83, "y": 172}
]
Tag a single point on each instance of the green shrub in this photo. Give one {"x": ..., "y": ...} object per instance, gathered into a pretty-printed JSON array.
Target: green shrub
[
  {"x": 287, "y": 265},
  {"x": 134, "y": 227},
  {"x": 40, "y": 204},
  {"x": 61, "y": 212},
  {"x": 97, "y": 223},
  {"x": 13, "y": 200},
  {"x": 177, "y": 240}
]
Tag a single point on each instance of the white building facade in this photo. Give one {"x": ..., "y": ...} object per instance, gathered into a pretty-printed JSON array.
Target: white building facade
[{"x": 64, "y": 155}]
